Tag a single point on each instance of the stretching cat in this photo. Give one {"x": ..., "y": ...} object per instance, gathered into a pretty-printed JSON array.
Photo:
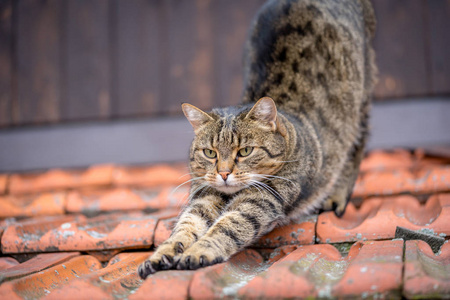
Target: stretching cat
[{"x": 298, "y": 148}]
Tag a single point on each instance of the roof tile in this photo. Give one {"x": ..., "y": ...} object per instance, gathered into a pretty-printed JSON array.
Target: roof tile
[
  {"x": 225, "y": 279},
  {"x": 104, "y": 255},
  {"x": 36, "y": 264},
  {"x": 5, "y": 223},
  {"x": 426, "y": 180},
  {"x": 426, "y": 275},
  {"x": 300, "y": 232},
  {"x": 7, "y": 262},
  {"x": 378, "y": 218},
  {"x": 165, "y": 285},
  {"x": 111, "y": 231},
  {"x": 95, "y": 201},
  {"x": 100, "y": 175},
  {"x": 163, "y": 230},
  {"x": 3, "y": 183},
  {"x": 16, "y": 234},
  {"x": 149, "y": 176},
  {"x": 39, "y": 284},
  {"x": 379, "y": 160},
  {"x": 371, "y": 268},
  {"x": 32, "y": 205},
  {"x": 117, "y": 280},
  {"x": 274, "y": 255}
]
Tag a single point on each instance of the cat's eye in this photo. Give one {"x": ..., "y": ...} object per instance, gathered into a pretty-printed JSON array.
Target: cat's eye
[
  {"x": 209, "y": 153},
  {"x": 245, "y": 151}
]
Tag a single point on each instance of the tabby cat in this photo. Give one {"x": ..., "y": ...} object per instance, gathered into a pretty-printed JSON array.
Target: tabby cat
[{"x": 297, "y": 149}]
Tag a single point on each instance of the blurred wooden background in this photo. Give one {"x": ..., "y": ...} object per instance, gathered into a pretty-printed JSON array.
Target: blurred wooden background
[{"x": 76, "y": 60}]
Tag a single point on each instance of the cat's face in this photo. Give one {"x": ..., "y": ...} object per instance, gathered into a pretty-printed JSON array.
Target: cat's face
[{"x": 234, "y": 149}]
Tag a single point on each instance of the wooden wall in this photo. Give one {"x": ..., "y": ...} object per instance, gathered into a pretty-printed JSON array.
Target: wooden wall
[{"x": 76, "y": 60}]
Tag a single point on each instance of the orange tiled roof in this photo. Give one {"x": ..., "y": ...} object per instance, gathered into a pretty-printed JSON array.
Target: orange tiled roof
[{"x": 83, "y": 233}]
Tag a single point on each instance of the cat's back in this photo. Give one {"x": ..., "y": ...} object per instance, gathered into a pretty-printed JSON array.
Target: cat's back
[{"x": 301, "y": 52}]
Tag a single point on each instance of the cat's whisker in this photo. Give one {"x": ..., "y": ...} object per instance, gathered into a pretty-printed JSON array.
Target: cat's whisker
[
  {"x": 190, "y": 173},
  {"x": 286, "y": 161},
  {"x": 190, "y": 180},
  {"x": 191, "y": 194},
  {"x": 267, "y": 176},
  {"x": 269, "y": 189},
  {"x": 255, "y": 186},
  {"x": 199, "y": 188}
]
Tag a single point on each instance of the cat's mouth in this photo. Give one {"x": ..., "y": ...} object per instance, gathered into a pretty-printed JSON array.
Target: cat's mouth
[
  {"x": 228, "y": 186},
  {"x": 228, "y": 189}
]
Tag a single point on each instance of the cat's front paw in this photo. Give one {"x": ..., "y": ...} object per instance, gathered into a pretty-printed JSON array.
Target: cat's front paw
[
  {"x": 197, "y": 257},
  {"x": 162, "y": 259}
]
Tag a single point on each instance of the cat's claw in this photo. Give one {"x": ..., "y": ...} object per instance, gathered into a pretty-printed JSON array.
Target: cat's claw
[
  {"x": 152, "y": 266},
  {"x": 146, "y": 269},
  {"x": 197, "y": 258},
  {"x": 166, "y": 257}
]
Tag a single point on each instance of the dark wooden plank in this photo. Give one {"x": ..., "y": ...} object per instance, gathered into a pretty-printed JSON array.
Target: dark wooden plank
[
  {"x": 439, "y": 37},
  {"x": 138, "y": 57},
  {"x": 87, "y": 60},
  {"x": 401, "y": 49},
  {"x": 189, "y": 74},
  {"x": 5, "y": 62},
  {"x": 231, "y": 23},
  {"x": 38, "y": 57}
]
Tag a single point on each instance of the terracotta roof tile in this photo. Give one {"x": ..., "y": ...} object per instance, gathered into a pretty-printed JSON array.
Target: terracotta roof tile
[
  {"x": 150, "y": 176},
  {"x": 42, "y": 283},
  {"x": 7, "y": 262},
  {"x": 104, "y": 255},
  {"x": 36, "y": 264},
  {"x": 3, "y": 183},
  {"x": 163, "y": 230},
  {"x": 382, "y": 160},
  {"x": 371, "y": 268},
  {"x": 425, "y": 180},
  {"x": 5, "y": 223},
  {"x": 32, "y": 205},
  {"x": 225, "y": 279},
  {"x": 274, "y": 255},
  {"x": 17, "y": 234},
  {"x": 378, "y": 218},
  {"x": 426, "y": 275},
  {"x": 379, "y": 160},
  {"x": 117, "y": 280},
  {"x": 113, "y": 231},
  {"x": 165, "y": 285},
  {"x": 301, "y": 232},
  {"x": 95, "y": 201},
  {"x": 100, "y": 175}
]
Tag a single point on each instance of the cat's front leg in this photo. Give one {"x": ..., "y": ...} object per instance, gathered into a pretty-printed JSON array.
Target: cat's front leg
[
  {"x": 192, "y": 224},
  {"x": 233, "y": 231}
]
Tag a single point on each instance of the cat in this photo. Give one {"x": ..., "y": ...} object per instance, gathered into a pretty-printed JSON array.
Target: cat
[{"x": 309, "y": 67}]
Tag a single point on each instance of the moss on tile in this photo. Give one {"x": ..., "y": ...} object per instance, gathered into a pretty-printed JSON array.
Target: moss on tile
[{"x": 343, "y": 248}]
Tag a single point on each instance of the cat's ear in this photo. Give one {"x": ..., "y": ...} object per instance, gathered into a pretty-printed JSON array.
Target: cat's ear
[
  {"x": 265, "y": 111},
  {"x": 195, "y": 116}
]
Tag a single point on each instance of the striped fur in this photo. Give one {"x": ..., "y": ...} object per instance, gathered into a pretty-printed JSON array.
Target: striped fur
[{"x": 314, "y": 60}]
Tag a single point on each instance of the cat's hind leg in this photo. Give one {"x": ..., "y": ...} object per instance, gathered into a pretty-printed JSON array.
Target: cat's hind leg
[{"x": 342, "y": 191}]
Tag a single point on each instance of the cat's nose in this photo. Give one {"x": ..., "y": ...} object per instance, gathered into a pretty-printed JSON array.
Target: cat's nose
[{"x": 224, "y": 175}]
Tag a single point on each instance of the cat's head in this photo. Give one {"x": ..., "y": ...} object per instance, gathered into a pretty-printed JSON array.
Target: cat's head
[{"x": 236, "y": 147}]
